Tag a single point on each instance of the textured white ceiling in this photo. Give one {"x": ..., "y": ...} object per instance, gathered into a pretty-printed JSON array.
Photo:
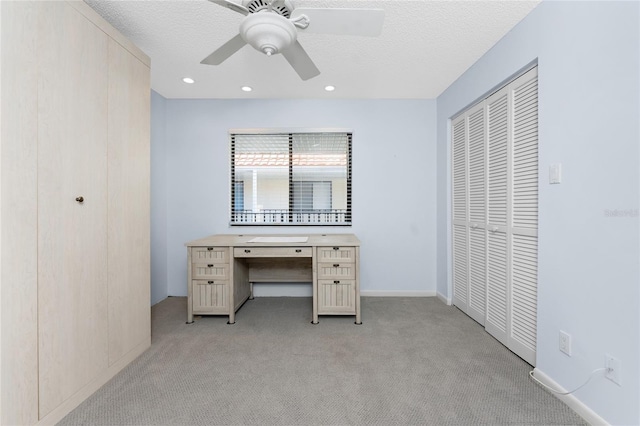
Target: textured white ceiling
[{"x": 424, "y": 46}]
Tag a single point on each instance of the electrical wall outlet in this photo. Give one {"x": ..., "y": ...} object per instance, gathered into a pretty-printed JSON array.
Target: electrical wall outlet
[
  {"x": 613, "y": 369},
  {"x": 564, "y": 343}
]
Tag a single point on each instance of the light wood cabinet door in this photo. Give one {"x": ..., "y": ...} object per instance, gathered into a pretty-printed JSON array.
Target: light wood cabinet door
[
  {"x": 210, "y": 296},
  {"x": 128, "y": 212},
  {"x": 19, "y": 224},
  {"x": 72, "y": 235},
  {"x": 336, "y": 297}
]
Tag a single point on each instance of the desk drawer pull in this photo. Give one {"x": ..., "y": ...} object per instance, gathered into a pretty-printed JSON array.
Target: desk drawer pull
[
  {"x": 336, "y": 282},
  {"x": 247, "y": 251},
  {"x": 335, "y": 265},
  {"x": 298, "y": 250},
  {"x": 210, "y": 248},
  {"x": 336, "y": 248}
]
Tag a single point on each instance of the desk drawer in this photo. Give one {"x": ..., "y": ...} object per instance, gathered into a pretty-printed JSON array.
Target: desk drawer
[
  {"x": 210, "y": 271},
  {"x": 336, "y": 297},
  {"x": 337, "y": 254},
  {"x": 210, "y": 254},
  {"x": 272, "y": 252},
  {"x": 210, "y": 296},
  {"x": 336, "y": 270}
]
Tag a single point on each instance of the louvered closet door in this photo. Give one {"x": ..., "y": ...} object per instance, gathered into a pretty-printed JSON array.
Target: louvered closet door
[
  {"x": 460, "y": 216},
  {"x": 495, "y": 214},
  {"x": 524, "y": 230},
  {"x": 498, "y": 181},
  {"x": 476, "y": 131}
]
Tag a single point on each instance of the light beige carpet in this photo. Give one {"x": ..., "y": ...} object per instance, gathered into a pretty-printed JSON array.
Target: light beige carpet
[{"x": 413, "y": 361}]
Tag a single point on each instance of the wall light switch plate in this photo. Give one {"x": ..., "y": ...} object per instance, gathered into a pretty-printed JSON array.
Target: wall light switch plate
[{"x": 555, "y": 173}]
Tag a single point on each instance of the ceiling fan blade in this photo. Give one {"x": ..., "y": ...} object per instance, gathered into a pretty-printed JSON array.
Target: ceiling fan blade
[
  {"x": 362, "y": 22},
  {"x": 231, "y": 5},
  {"x": 300, "y": 61},
  {"x": 225, "y": 51}
]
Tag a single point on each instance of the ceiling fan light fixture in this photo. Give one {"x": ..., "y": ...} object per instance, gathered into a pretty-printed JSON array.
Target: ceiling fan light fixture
[{"x": 267, "y": 32}]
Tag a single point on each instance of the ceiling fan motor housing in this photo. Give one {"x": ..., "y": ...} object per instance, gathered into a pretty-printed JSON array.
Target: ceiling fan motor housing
[
  {"x": 269, "y": 33},
  {"x": 281, "y": 7}
]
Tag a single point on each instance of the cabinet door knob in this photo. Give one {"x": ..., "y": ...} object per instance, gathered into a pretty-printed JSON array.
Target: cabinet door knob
[
  {"x": 336, "y": 282},
  {"x": 209, "y": 266},
  {"x": 335, "y": 265},
  {"x": 80, "y": 199},
  {"x": 336, "y": 248},
  {"x": 210, "y": 282},
  {"x": 210, "y": 248}
]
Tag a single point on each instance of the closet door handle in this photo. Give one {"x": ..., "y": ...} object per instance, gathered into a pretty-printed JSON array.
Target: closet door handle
[
  {"x": 80, "y": 199},
  {"x": 247, "y": 251},
  {"x": 298, "y": 250},
  {"x": 335, "y": 265}
]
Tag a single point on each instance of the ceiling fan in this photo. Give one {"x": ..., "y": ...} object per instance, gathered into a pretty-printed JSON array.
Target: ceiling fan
[{"x": 271, "y": 27}]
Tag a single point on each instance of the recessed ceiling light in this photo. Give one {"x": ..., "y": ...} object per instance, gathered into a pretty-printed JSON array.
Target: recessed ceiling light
[
  {"x": 246, "y": 89},
  {"x": 188, "y": 80},
  {"x": 329, "y": 88}
]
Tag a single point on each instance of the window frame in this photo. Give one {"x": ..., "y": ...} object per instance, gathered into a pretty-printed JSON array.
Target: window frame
[{"x": 348, "y": 215}]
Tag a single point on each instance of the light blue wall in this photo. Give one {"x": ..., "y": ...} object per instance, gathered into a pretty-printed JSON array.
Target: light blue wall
[
  {"x": 159, "y": 288},
  {"x": 394, "y": 170},
  {"x": 589, "y": 273}
]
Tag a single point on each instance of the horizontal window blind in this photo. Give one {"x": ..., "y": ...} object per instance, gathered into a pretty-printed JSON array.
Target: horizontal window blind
[{"x": 291, "y": 178}]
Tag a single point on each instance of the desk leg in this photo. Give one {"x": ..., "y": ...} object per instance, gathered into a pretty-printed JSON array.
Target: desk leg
[
  {"x": 357, "y": 265},
  {"x": 189, "y": 289},
  {"x": 232, "y": 287},
  {"x": 314, "y": 278}
]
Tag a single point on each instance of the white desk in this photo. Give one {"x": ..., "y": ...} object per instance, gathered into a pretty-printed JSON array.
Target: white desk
[{"x": 222, "y": 270}]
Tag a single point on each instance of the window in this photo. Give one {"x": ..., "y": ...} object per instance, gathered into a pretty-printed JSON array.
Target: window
[{"x": 291, "y": 178}]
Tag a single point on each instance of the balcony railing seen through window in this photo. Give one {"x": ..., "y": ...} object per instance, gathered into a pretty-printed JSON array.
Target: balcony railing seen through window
[{"x": 291, "y": 178}]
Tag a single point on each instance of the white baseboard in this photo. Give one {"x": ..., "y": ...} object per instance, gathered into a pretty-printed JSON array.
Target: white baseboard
[
  {"x": 444, "y": 299},
  {"x": 387, "y": 293},
  {"x": 571, "y": 401}
]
